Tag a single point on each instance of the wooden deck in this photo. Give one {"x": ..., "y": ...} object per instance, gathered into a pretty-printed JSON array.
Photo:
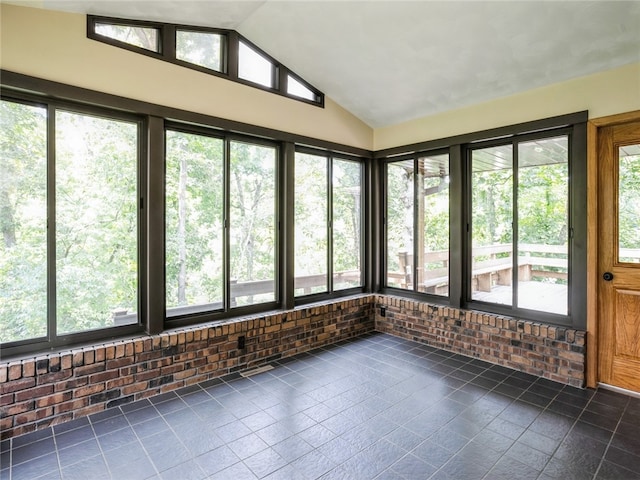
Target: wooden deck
[{"x": 542, "y": 296}]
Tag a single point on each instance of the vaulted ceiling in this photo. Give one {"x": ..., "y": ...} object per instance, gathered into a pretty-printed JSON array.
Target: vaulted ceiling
[{"x": 392, "y": 61}]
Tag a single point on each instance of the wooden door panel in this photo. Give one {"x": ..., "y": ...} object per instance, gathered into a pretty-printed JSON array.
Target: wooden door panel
[
  {"x": 625, "y": 374},
  {"x": 627, "y": 324},
  {"x": 619, "y": 298}
]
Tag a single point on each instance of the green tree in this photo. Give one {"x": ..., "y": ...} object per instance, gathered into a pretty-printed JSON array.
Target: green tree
[{"x": 23, "y": 221}]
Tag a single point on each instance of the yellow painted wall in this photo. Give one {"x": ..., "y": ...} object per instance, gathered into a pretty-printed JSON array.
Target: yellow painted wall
[
  {"x": 606, "y": 93},
  {"x": 54, "y": 46}
]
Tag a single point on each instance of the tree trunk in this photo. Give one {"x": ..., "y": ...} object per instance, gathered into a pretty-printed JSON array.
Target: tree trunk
[{"x": 7, "y": 221}]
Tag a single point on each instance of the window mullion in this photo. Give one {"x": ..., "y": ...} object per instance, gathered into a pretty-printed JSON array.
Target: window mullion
[
  {"x": 226, "y": 248},
  {"x": 168, "y": 42},
  {"x": 329, "y": 170},
  {"x": 155, "y": 212},
  {"x": 416, "y": 223},
  {"x": 514, "y": 227},
  {"x": 456, "y": 226},
  {"x": 51, "y": 224}
]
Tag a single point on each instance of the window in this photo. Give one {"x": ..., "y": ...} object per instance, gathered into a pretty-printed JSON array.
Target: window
[
  {"x": 252, "y": 219},
  {"x": 194, "y": 223},
  {"x": 629, "y": 204},
  {"x": 23, "y": 219},
  {"x": 520, "y": 203},
  {"x": 328, "y": 212},
  {"x": 142, "y": 37},
  {"x": 80, "y": 272},
  {"x": 496, "y": 222},
  {"x": 200, "y": 48},
  {"x": 96, "y": 222},
  {"x": 201, "y": 219},
  {"x": 254, "y": 67},
  {"x": 311, "y": 223},
  {"x": 417, "y": 221},
  {"x": 219, "y": 52},
  {"x": 298, "y": 89}
]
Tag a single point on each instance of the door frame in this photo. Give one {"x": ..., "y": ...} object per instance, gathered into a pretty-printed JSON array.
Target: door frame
[{"x": 593, "y": 279}]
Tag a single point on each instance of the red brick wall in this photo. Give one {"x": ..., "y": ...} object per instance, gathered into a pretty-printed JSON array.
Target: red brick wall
[
  {"x": 555, "y": 353},
  {"x": 49, "y": 389}
]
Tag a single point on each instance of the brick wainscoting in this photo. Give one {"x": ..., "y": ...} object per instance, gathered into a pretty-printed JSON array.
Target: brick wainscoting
[
  {"x": 551, "y": 352},
  {"x": 57, "y": 387},
  {"x": 51, "y": 389}
]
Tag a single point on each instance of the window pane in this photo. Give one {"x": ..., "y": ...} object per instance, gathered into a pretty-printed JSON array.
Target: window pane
[
  {"x": 629, "y": 204},
  {"x": 294, "y": 87},
  {"x": 194, "y": 223},
  {"x": 433, "y": 212},
  {"x": 199, "y": 48},
  {"x": 143, "y": 37},
  {"x": 400, "y": 208},
  {"x": 492, "y": 219},
  {"x": 96, "y": 222},
  {"x": 23, "y": 221},
  {"x": 347, "y": 190},
  {"x": 252, "y": 223},
  {"x": 543, "y": 198},
  {"x": 254, "y": 67},
  {"x": 311, "y": 244}
]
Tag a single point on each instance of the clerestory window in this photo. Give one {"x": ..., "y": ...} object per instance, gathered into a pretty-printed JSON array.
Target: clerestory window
[{"x": 220, "y": 52}]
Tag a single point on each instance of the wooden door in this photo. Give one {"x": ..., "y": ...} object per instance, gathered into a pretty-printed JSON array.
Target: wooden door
[{"x": 619, "y": 255}]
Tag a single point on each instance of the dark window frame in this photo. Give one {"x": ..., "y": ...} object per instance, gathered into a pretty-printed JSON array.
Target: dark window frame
[
  {"x": 151, "y": 298},
  {"x": 414, "y": 157},
  {"x": 230, "y": 54},
  {"x": 513, "y": 310},
  {"x": 227, "y": 310},
  {"x": 460, "y": 146},
  {"x": 330, "y": 156},
  {"x": 53, "y": 339}
]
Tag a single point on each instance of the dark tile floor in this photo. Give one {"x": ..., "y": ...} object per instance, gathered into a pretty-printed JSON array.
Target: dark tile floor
[{"x": 375, "y": 407}]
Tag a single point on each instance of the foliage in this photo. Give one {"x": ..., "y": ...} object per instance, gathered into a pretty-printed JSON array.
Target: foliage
[
  {"x": 95, "y": 223},
  {"x": 312, "y": 200},
  {"x": 23, "y": 221},
  {"x": 96, "y": 220},
  {"x": 194, "y": 219},
  {"x": 629, "y": 202}
]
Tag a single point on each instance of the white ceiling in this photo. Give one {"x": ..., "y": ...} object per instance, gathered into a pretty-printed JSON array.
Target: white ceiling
[{"x": 392, "y": 61}]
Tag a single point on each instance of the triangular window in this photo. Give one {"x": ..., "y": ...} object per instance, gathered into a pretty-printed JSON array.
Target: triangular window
[
  {"x": 298, "y": 89},
  {"x": 254, "y": 67}
]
